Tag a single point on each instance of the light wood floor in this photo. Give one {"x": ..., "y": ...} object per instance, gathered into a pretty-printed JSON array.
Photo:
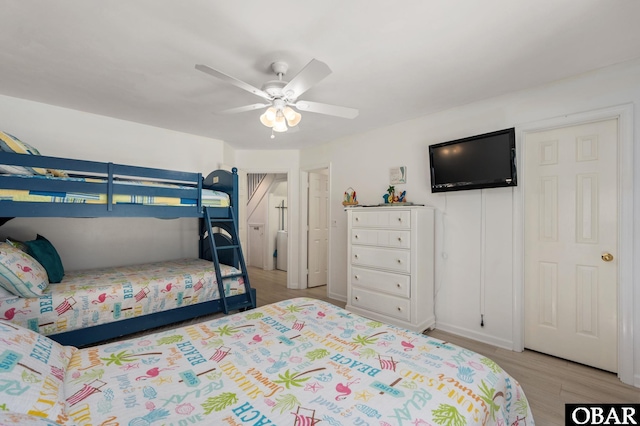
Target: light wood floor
[
  {"x": 548, "y": 382},
  {"x": 271, "y": 287}
]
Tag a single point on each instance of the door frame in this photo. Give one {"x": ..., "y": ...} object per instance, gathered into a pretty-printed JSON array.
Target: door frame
[
  {"x": 291, "y": 233},
  {"x": 625, "y": 252},
  {"x": 304, "y": 224}
]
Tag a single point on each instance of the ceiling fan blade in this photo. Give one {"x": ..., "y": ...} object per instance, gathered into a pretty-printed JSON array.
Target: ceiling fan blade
[
  {"x": 238, "y": 83},
  {"x": 245, "y": 108},
  {"x": 321, "y": 108},
  {"x": 314, "y": 72}
]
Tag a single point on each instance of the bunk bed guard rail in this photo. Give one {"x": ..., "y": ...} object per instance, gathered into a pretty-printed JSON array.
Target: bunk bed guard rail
[{"x": 109, "y": 179}]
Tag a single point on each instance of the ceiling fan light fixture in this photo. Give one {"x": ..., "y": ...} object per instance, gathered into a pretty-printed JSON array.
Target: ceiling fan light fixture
[
  {"x": 280, "y": 124},
  {"x": 279, "y": 94},
  {"x": 268, "y": 118},
  {"x": 293, "y": 117}
]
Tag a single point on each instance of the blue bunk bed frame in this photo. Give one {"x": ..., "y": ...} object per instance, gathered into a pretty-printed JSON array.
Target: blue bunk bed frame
[{"x": 210, "y": 218}]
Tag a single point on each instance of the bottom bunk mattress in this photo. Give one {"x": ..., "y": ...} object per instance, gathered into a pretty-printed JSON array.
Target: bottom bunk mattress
[
  {"x": 105, "y": 295},
  {"x": 298, "y": 362}
]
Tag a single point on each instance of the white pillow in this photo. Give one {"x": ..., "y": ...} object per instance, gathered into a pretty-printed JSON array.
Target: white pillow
[
  {"x": 6, "y": 294},
  {"x": 20, "y": 273}
]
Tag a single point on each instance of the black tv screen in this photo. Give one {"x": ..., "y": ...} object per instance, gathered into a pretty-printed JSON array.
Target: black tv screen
[{"x": 483, "y": 161}]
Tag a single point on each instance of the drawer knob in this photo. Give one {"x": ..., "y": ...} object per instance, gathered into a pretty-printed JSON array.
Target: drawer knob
[
  {"x": 355, "y": 255},
  {"x": 357, "y": 277},
  {"x": 399, "y": 219},
  {"x": 398, "y": 285},
  {"x": 357, "y": 219},
  {"x": 399, "y": 309},
  {"x": 357, "y": 236},
  {"x": 357, "y": 298},
  {"x": 399, "y": 238},
  {"x": 399, "y": 261}
]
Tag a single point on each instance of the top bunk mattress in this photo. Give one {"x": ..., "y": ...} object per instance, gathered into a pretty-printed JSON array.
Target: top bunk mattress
[
  {"x": 104, "y": 295},
  {"x": 210, "y": 198}
]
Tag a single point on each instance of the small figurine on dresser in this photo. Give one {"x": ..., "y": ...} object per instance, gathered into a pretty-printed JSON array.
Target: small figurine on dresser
[
  {"x": 350, "y": 198},
  {"x": 390, "y": 197}
]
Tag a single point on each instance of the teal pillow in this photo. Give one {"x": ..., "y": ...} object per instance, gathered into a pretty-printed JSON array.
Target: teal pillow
[{"x": 45, "y": 253}]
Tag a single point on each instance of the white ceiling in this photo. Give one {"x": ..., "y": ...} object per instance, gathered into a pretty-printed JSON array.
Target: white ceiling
[{"x": 392, "y": 60}]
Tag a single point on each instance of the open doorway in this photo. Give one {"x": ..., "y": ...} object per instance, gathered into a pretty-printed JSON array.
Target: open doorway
[{"x": 266, "y": 219}]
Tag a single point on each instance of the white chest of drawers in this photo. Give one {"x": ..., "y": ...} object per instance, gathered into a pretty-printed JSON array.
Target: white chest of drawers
[{"x": 391, "y": 265}]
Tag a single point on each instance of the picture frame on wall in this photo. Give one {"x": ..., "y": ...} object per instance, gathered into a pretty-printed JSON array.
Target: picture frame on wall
[{"x": 398, "y": 175}]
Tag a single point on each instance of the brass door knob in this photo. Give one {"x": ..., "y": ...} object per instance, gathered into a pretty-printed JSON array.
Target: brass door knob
[{"x": 607, "y": 257}]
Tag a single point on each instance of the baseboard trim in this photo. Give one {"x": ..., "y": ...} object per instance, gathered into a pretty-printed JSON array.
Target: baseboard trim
[
  {"x": 336, "y": 296},
  {"x": 469, "y": 334}
]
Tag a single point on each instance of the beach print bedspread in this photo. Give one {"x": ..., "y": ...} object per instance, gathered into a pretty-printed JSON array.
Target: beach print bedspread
[
  {"x": 299, "y": 362},
  {"x": 104, "y": 295}
]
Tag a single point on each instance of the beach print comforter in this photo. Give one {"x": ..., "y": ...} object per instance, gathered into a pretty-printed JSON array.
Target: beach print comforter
[
  {"x": 300, "y": 362},
  {"x": 104, "y": 295}
]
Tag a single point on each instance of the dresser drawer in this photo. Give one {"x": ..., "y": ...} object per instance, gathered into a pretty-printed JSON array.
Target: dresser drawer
[
  {"x": 396, "y": 284},
  {"x": 381, "y": 237},
  {"x": 382, "y": 219},
  {"x": 385, "y": 304},
  {"x": 392, "y": 259}
]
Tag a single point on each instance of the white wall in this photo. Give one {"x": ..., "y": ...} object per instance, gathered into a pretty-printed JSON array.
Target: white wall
[
  {"x": 363, "y": 162},
  {"x": 88, "y": 243}
]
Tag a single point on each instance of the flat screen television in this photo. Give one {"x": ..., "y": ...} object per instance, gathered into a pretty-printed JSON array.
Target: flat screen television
[{"x": 482, "y": 161}]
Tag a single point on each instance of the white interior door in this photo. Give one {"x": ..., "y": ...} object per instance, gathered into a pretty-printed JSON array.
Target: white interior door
[
  {"x": 571, "y": 283},
  {"x": 318, "y": 229}
]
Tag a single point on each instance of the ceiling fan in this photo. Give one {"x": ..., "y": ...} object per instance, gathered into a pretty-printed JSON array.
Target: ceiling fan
[{"x": 281, "y": 97}]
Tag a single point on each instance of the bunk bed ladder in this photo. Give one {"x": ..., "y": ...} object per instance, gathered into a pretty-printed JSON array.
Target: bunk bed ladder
[{"x": 228, "y": 248}]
